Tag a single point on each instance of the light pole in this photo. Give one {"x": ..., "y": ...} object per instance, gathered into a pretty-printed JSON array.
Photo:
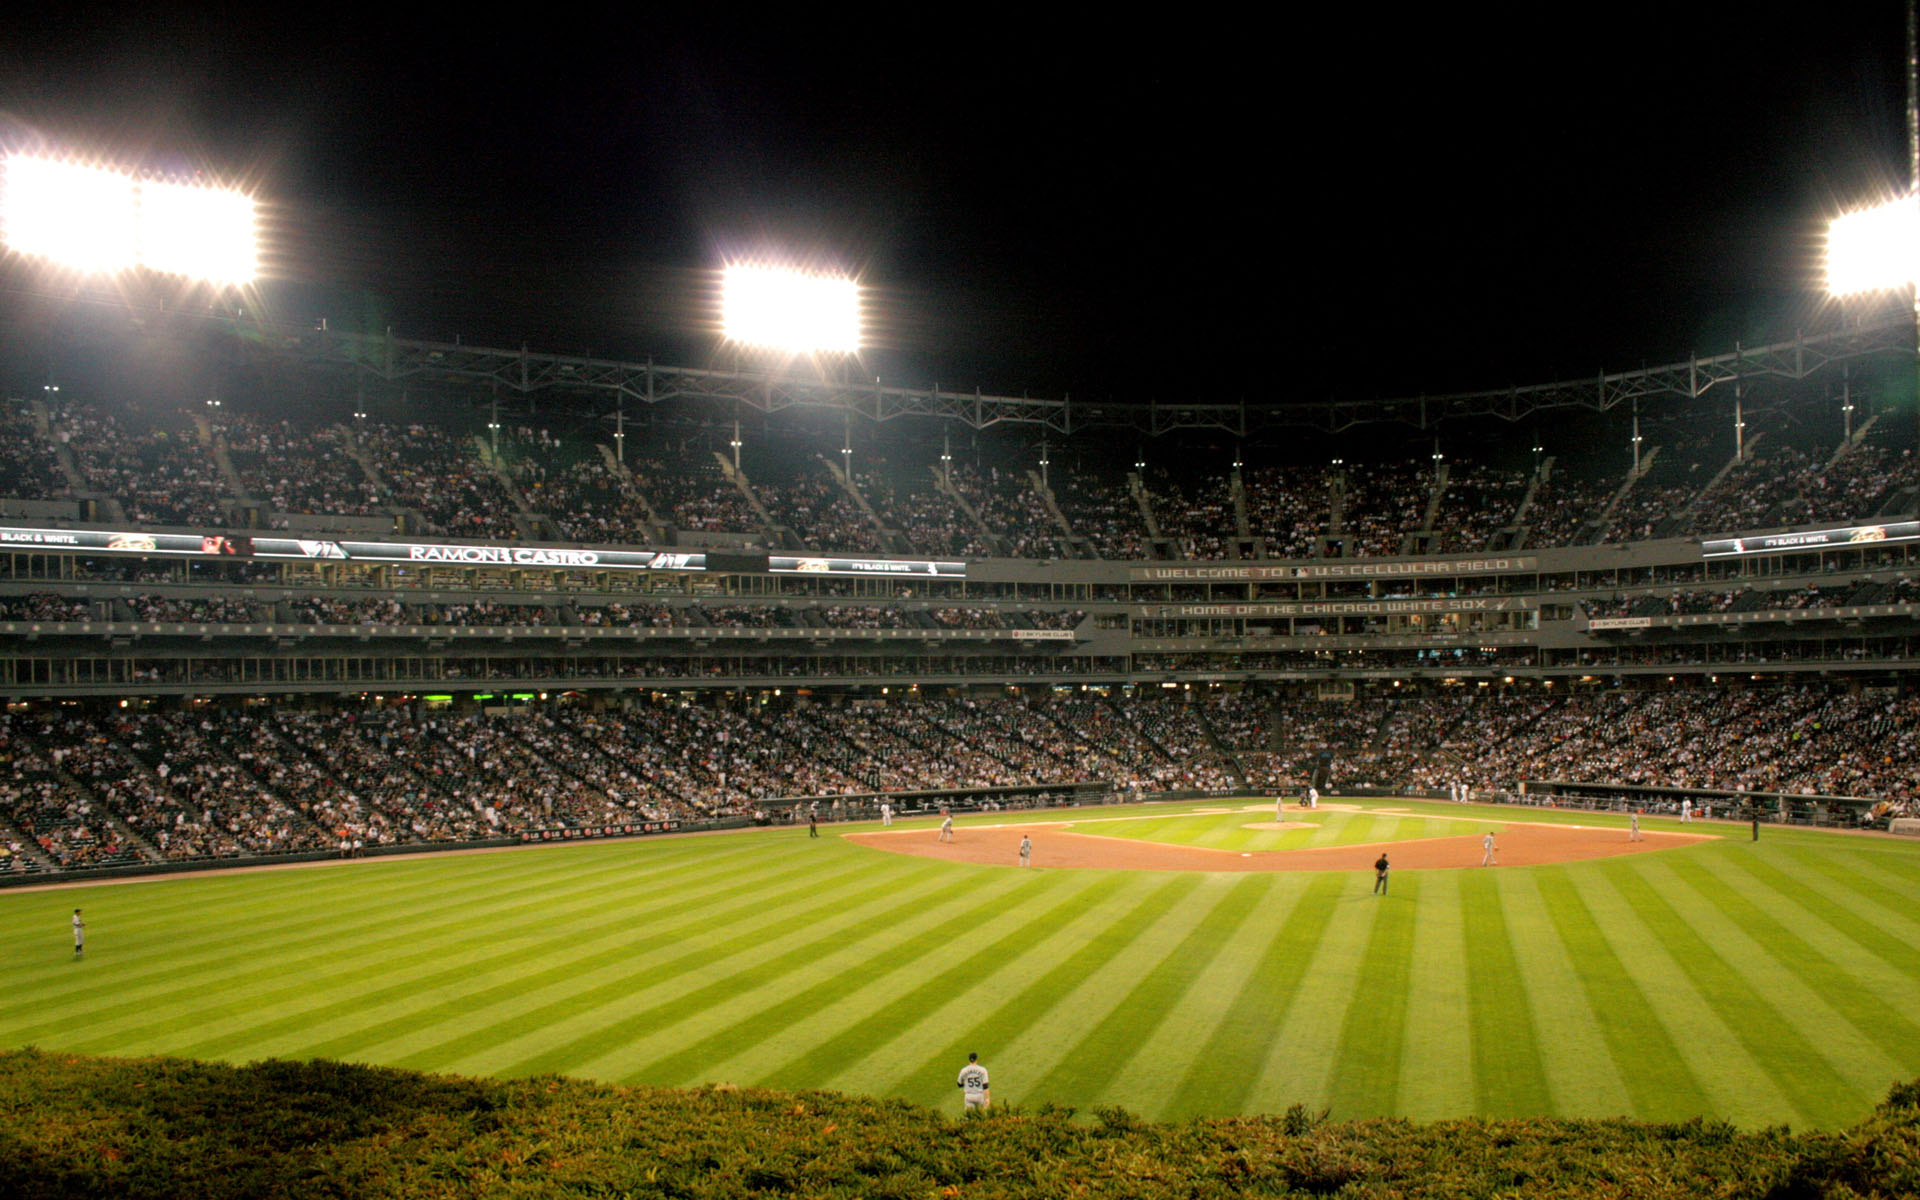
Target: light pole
[{"x": 1878, "y": 249}]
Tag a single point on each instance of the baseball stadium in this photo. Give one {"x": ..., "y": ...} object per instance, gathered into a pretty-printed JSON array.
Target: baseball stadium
[
  {"x": 436, "y": 768},
  {"x": 246, "y": 721}
]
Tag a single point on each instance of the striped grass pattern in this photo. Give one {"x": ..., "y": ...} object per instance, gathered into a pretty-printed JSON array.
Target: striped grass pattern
[{"x": 1763, "y": 983}]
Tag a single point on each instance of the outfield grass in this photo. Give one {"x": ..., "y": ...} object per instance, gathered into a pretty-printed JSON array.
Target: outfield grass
[{"x": 1764, "y": 983}]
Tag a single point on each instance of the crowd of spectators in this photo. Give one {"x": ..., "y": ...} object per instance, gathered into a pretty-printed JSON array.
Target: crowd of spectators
[
  {"x": 28, "y": 463},
  {"x": 1288, "y": 508},
  {"x": 219, "y": 808},
  {"x": 1008, "y": 506},
  {"x": 486, "y": 612},
  {"x": 927, "y": 516},
  {"x": 1565, "y": 509},
  {"x": 1755, "y": 492},
  {"x": 327, "y": 610},
  {"x": 51, "y": 823},
  {"x": 165, "y": 468},
  {"x": 378, "y": 610},
  {"x": 866, "y": 616},
  {"x": 194, "y": 609},
  {"x": 298, "y": 468},
  {"x": 1104, "y": 513},
  {"x": 739, "y": 616},
  {"x": 90, "y": 788},
  {"x": 163, "y": 474},
  {"x": 820, "y": 512},
  {"x": 382, "y": 790},
  {"x": 1477, "y": 503},
  {"x": 44, "y": 606},
  {"x": 439, "y": 475},
  {"x": 1856, "y": 487},
  {"x": 589, "y": 500},
  {"x": 619, "y": 615},
  {"x": 1197, "y": 759},
  {"x": 1381, "y": 504},
  {"x": 692, "y": 494},
  {"x": 1197, "y": 515},
  {"x": 1749, "y": 598}
]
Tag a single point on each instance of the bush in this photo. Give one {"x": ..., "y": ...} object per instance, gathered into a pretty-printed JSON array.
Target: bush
[{"x": 76, "y": 1126}]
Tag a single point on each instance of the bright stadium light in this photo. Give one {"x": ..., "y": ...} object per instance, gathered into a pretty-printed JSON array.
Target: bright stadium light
[
  {"x": 81, "y": 216},
  {"x": 97, "y": 220},
  {"x": 1874, "y": 249},
  {"x": 792, "y": 311},
  {"x": 200, "y": 232}
]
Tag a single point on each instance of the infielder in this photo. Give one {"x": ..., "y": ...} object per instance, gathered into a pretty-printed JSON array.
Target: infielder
[
  {"x": 886, "y": 813},
  {"x": 1633, "y": 827},
  {"x": 1487, "y": 844},
  {"x": 1026, "y": 850},
  {"x": 973, "y": 1084},
  {"x": 946, "y": 827}
]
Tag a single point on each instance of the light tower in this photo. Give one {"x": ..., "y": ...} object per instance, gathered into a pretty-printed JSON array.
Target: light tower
[
  {"x": 790, "y": 312},
  {"x": 103, "y": 220},
  {"x": 1878, "y": 249}
]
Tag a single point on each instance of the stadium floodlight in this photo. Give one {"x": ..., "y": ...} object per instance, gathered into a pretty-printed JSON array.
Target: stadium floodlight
[
  {"x": 78, "y": 215},
  {"x": 1875, "y": 249},
  {"x": 200, "y": 232},
  {"x": 791, "y": 311},
  {"x": 98, "y": 220}
]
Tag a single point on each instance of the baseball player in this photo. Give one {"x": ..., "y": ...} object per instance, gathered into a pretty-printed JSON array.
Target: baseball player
[
  {"x": 79, "y": 933},
  {"x": 1486, "y": 843},
  {"x": 1633, "y": 827},
  {"x": 973, "y": 1084},
  {"x": 946, "y": 825},
  {"x": 1026, "y": 850}
]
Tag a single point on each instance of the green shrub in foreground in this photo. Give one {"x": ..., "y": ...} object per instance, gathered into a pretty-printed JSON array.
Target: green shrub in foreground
[{"x": 78, "y": 1126}]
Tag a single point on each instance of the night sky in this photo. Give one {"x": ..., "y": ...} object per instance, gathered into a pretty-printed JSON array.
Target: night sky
[{"x": 1324, "y": 206}]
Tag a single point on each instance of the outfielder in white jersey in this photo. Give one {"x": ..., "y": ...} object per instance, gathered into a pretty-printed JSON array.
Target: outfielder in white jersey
[{"x": 973, "y": 1083}]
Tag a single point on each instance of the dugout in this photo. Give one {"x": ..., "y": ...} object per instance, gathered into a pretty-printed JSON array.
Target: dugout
[
  {"x": 1780, "y": 808},
  {"x": 864, "y": 806}
]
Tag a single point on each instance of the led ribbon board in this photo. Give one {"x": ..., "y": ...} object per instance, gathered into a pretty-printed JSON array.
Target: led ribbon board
[
  {"x": 1815, "y": 539},
  {"x": 426, "y": 553}
]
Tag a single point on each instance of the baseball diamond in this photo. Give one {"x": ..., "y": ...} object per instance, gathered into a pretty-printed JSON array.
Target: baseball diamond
[{"x": 1764, "y": 981}]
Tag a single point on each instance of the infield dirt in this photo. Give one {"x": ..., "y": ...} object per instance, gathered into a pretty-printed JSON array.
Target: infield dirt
[{"x": 1058, "y": 844}]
